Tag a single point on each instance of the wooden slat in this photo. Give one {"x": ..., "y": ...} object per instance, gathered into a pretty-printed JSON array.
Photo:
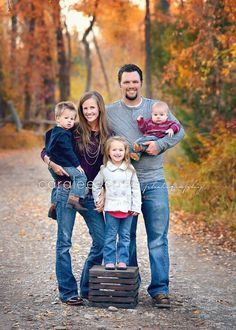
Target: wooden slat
[
  {"x": 121, "y": 287},
  {"x": 97, "y": 271},
  {"x": 118, "y": 305},
  {"x": 113, "y": 293},
  {"x": 113, "y": 299},
  {"x": 113, "y": 280}
]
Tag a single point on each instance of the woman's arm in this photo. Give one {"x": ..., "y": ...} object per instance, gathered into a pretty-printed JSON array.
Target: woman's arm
[{"x": 59, "y": 170}]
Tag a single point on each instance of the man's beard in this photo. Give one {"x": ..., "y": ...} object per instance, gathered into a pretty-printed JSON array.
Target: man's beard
[{"x": 131, "y": 98}]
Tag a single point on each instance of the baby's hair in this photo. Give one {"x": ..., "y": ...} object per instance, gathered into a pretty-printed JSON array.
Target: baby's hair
[
  {"x": 117, "y": 138},
  {"x": 65, "y": 105},
  {"x": 162, "y": 106}
]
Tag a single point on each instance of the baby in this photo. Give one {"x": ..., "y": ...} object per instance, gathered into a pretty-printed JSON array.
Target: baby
[{"x": 154, "y": 128}]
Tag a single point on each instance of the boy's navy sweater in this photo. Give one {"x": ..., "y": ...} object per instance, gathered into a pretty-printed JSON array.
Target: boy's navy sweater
[{"x": 59, "y": 147}]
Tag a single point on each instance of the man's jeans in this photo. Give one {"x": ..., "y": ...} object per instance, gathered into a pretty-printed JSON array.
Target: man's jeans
[
  {"x": 155, "y": 209},
  {"x": 67, "y": 284},
  {"x": 114, "y": 227}
]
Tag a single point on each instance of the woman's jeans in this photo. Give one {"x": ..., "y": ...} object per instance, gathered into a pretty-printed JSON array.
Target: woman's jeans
[
  {"x": 67, "y": 284},
  {"x": 155, "y": 209},
  {"x": 114, "y": 227}
]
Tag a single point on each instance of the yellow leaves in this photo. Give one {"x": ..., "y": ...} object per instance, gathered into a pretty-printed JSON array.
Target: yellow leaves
[{"x": 213, "y": 181}]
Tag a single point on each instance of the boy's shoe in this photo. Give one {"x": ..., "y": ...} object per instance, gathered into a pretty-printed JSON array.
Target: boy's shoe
[
  {"x": 134, "y": 156},
  {"x": 137, "y": 147},
  {"x": 161, "y": 300},
  {"x": 121, "y": 266},
  {"x": 73, "y": 202},
  {"x": 110, "y": 266},
  {"x": 52, "y": 213}
]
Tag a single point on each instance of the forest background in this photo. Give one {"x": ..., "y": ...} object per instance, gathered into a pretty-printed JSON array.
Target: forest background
[{"x": 187, "y": 51}]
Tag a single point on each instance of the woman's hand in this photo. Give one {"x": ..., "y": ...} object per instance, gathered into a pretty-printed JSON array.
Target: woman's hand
[
  {"x": 100, "y": 202},
  {"x": 59, "y": 170},
  {"x": 134, "y": 213}
]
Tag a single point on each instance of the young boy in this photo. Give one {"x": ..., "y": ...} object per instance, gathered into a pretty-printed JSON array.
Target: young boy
[
  {"x": 59, "y": 148},
  {"x": 154, "y": 128}
]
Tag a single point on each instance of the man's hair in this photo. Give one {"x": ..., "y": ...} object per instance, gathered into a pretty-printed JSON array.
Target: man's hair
[
  {"x": 62, "y": 106},
  {"x": 129, "y": 68}
]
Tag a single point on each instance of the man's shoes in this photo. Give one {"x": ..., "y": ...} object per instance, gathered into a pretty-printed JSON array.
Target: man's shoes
[
  {"x": 134, "y": 156},
  {"x": 52, "y": 213},
  {"x": 161, "y": 300},
  {"x": 75, "y": 301},
  {"x": 121, "y": 266},
  {"x": 110, "y": 266},
  {"x": 137, "y": 147}
]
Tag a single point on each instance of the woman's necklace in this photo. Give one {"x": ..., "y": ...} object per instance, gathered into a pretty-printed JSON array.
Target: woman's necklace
[{"x": 92, "y": 154}]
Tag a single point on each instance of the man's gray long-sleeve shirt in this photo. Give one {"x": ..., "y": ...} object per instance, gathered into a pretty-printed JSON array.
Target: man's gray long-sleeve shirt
[{"x": 123, "y": 122}]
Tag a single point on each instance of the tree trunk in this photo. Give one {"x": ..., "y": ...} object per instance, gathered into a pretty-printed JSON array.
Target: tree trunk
[
  {"x": 61, "y": 54},
  {"x": 102, "y": 66},
  {"x": 148, "y": 51},
  {"x": 87, "y": 54},
  {"x": 28, "y": 92},
  {"x": 68, "y": 38},
  {"x": 48, "y": 76}
]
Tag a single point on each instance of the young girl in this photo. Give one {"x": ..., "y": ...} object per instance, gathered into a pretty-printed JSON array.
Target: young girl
[{"x": 122, "y": 201}]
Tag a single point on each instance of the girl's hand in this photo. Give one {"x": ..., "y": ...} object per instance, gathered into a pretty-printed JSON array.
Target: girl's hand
[
  {"x": 80, "y": 169},
  {"x": 170, "y": 132}
]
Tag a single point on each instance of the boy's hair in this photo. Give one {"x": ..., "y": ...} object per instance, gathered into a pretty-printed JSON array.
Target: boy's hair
[
  {"x": 106, "y": 157},
  {"x": 62, "y": 106},
  {"x": 129, "y": 68},
  {"x": 161, "y": 105}
]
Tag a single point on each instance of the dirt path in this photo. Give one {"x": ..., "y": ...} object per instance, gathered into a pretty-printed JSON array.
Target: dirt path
[{"x": 202, "y": 285}]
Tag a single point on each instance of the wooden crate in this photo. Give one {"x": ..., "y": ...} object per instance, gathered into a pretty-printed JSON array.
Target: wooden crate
[{"x": 117, "y": 288}]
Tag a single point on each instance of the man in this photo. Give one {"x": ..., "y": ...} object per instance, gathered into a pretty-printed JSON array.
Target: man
[{"x": 155, "y": 207}]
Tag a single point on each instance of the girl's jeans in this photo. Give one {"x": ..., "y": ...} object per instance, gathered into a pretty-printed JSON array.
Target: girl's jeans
[{"x": 114, "y": 227}]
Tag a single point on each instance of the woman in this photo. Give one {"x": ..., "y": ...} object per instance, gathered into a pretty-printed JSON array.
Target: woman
[{"x": 89, "y": 138}]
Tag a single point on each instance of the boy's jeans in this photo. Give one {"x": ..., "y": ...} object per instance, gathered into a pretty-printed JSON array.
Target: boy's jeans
[
  {"x": 79, "y": 180},
  {"x": 121, "y": 227},
  {"x": 143, "y": 139}
]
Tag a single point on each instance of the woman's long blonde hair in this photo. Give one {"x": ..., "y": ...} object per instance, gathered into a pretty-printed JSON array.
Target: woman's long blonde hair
[
  {"x": 106, "y": 156},
  {"x": 84, "y": 129}
]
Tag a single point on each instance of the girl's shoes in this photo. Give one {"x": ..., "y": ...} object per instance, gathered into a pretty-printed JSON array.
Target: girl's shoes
[
  {"x": 110, "y": 266},
  {"x": 121, "y": 266}
]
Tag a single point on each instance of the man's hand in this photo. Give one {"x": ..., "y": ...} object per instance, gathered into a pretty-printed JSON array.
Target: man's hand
[{"x": 152, "y": 149}]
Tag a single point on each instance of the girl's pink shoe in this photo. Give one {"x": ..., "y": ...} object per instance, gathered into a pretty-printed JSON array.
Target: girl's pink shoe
[{"x": 121, "y": 266}]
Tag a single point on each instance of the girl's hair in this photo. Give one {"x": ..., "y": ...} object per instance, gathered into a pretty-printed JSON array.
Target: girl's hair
[
  {"x": 85, "y": 130},
  {"x": 106, "y": 156},
  {"x": 65, "y": 105}
]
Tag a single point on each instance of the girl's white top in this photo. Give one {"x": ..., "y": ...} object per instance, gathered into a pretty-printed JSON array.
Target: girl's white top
[{"x": 122, "y": 188}]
